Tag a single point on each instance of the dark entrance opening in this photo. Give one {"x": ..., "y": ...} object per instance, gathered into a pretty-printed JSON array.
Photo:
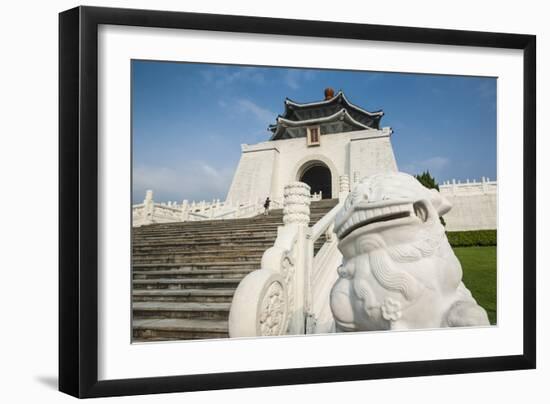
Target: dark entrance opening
[{"x": 319, "y": 179}]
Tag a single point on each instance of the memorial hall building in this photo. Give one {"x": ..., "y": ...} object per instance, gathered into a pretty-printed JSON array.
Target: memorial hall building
[{"x": 318, "y": 143}]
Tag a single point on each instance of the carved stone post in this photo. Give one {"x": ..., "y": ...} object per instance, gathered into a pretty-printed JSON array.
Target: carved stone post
[
  {"x": 344, "y": 187},
  {"x": 296, "y": 219},
  {"x": 296, "y": 203},
  {"x": 148, "y": 207},
  {"x": 184, "y": 210}
]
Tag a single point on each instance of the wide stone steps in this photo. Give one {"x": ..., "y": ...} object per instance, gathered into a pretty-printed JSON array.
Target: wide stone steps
[
  {"x": 206, "y": 250},
  {"x": 160, "y": 230},
  {"x": 231, "y": 240},
  {"x": 185, "y": 283},
  {"x": 167, "y": 329},
  {"x": 190, "y": 273},
  {"x": 184, "y": 275},
  {"x": 221, "y": 226},
  {"x": 196, "y": 266},
  {"x": 195, "y": 310},
  {"x": 221, "y": 245},
  {"x": 191, "y": 259},
  {"x": 184, "y": 295},
  {"x": 166, "y": 255}
]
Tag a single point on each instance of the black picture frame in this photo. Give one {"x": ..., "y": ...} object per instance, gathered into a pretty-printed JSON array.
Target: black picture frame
[{"x": 78, "y": 196}]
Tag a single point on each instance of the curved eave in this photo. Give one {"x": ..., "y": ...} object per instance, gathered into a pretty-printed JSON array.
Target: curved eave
[
  {"x": 341, "y": 114},
  {"x": 338, "y": 95}
]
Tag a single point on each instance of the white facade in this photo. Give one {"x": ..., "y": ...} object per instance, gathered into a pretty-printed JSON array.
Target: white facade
[{"x": 265, "y": 168}]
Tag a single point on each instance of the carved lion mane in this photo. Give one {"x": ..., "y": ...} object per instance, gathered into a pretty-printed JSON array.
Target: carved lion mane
[{"x": 399, "y": 271}]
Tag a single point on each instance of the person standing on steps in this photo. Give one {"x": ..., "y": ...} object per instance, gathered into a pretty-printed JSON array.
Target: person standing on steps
[{"x": 266, "y": 206}]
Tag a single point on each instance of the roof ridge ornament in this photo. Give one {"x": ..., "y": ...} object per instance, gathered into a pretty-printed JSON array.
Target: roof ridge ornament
[{"x": 329, "y": 93}]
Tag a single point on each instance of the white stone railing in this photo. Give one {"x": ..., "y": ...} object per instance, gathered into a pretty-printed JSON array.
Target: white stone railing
[
  {"x": 150, "y": 212},
  {"x": 317, "y": 196},
  {"x": 322, "y": 273},
  {"x": 271, "y": 301},
  {"x": 290, "y": 293},
  {"x": 485, "y": 186}
]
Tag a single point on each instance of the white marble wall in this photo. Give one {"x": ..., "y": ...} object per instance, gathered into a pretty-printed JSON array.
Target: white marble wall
[
  {"x": 253, "y": 178},
  {"x": 265, "y": 168},
  {"x": 370, "y": 155},
  {"x": 474, "y": 205}
]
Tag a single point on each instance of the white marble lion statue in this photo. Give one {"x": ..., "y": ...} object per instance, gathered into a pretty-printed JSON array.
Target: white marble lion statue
[{"x": 398, "y": 271}]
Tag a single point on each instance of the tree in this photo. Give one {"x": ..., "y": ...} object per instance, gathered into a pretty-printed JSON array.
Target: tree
[{"x": 428, "y": 181}]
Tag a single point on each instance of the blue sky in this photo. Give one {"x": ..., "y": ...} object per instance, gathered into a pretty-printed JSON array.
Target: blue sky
[{"x": 190, "y": 119}]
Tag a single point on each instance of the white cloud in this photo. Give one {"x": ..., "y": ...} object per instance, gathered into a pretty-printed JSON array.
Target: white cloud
[
  {"x": 196, "y": 180},
  {"x": 262, "y": 114},
  {"x": 435, "y": 165},
  {"x": 222, "y": 77},
  {"x": 294, "y": 77}
]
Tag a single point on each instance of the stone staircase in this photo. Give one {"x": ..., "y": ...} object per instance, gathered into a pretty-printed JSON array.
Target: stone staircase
[{"x": 185, "y": 274}]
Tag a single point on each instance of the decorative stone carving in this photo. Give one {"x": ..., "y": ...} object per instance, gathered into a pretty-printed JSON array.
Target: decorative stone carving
[
  {"x": 344, "y": 184},
  {"x": 260, "y": 306},
  {"x": 273, "y": 310},
  {"x": 296, "y": 203},
  {"x": 311, "y": 323},
  {"x": 399, "y": 271},
  {"x": 287, "y": 270}
]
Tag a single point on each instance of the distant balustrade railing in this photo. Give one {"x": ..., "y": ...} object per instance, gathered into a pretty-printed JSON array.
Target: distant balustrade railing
[
  {"x": 317, "y": 196},
  {"x": 150, "y": 212},
  {"x": 454, "y": 187}
]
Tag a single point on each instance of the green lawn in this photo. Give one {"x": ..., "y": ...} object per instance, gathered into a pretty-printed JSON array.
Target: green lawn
[{"x": 480, "y": 276}]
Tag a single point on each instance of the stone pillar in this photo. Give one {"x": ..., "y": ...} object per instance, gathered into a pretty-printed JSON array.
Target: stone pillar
[
  {"x": 344, "y": 187},
  {"x": 297, "y": 199},
  {"x": 184, "y": 210},
  {"x": 484, "y": 185},
  {"x": 296, "y": 203},
  {"x": 149, "y": 207}
]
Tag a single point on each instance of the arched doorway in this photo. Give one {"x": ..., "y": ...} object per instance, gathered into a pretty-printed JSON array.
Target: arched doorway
[{"x": 319, "y": 178}]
